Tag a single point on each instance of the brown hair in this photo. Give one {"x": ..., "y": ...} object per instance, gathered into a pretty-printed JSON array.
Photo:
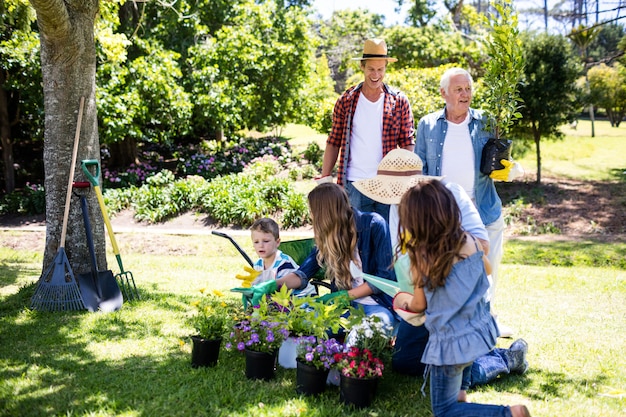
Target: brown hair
[
  {"x": 430, "y": 228},
  {"x": 266, "y": 225},
  {"x": 335, "y": 232}
]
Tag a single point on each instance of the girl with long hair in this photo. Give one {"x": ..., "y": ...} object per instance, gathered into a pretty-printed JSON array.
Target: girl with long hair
[
  {"x": 449, "y": 273},
  {"x": 348, "y": 243}
]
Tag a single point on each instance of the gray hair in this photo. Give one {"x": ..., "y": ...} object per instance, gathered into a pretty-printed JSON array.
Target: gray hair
[{"x": 445, "y": 78}]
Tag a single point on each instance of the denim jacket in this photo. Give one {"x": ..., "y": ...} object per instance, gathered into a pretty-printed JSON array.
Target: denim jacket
[
  {"x": 431, "y": 134},
  {"x": 374, "y": 246}
]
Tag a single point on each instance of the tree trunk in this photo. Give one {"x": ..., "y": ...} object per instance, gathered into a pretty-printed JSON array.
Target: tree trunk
[
  {"x": 68, "y": 65},
  {"x": 123, "y": 153},
  {"x": 5, "y": 140},
  {"x": 537, "y": 137}
]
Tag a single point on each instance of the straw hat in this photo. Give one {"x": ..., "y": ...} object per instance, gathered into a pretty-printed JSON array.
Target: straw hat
[
  {"x": 398, "y": 171},
  {"x": 375, "y": 49}
]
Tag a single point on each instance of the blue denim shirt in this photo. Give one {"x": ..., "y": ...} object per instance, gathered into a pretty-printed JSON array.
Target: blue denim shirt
[
  {"x": 374, "y": 246},
  {"x": 431, "y": 133}
]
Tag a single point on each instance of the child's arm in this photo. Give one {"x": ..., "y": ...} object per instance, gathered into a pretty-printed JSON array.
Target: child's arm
[{"x": 418, "y": 303}]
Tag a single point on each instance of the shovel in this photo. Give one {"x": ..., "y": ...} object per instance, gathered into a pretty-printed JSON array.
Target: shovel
[
  {"x": 126, "y": 278},
  {"x": 99, "y": 288}
]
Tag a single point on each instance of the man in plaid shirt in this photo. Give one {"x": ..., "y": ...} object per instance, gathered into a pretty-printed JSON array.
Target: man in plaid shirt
[{"x": 369, "y": 120}]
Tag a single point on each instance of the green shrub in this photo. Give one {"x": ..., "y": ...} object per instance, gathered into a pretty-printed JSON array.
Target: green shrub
[{"x": 30, "y": 200}]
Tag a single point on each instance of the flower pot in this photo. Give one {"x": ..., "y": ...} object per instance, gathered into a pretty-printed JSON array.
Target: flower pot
[
  {"x": 204, "y": 352},
  {"x": 287, "y": 353},
  {"x": 309, "y": 379},
  {"x": 260, "y": 365},
  {"x": 358, "y": 392},
  {"x": 494, "y": 151}
]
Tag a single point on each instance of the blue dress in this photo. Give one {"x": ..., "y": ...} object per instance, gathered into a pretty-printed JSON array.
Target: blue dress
[{"x": 458, "y": 318}]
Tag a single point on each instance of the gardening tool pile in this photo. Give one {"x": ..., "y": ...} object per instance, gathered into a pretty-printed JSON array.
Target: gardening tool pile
[{"x": 57, "y": 289}]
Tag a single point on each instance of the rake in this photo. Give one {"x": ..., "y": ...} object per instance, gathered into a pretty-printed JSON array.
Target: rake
[{"x": 57, "y": 289}]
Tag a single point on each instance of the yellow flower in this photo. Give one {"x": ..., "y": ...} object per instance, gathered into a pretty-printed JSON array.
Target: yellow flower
[
  {"x": 202, "y": 290},
  {"x": 218, "y": 293},
  {"x": 195, "y": 303}
]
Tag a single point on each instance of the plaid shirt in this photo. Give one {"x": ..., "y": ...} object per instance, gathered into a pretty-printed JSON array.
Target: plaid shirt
[{"x": 398, "y": 125}]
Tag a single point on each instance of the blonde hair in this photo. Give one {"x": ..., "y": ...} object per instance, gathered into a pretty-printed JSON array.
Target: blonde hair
[{"x": 335, "y": 232}]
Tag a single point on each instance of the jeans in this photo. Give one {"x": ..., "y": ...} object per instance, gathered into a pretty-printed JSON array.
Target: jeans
[
  {"x": 409, "y": 347},
  {"x": 485, "y": 369},
  {"x": 445, "y": 383},
  {"x": 363, "y": 203}
]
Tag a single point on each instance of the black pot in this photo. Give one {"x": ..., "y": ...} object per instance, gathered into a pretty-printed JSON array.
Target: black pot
[
  {"x": 205, "y": 352},
  {"x": 260, "y": 365},
  {"x": 357, "y": 392},
  {"x": 309, "y": 379},
  {"x": 494, "y": 151}
]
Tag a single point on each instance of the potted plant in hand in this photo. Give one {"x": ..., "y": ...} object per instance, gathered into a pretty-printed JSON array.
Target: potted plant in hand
[
  {"x": 210, "y": 321},
  {"x": 504, "y": 71},
  {"x": 315, "y": 356}
]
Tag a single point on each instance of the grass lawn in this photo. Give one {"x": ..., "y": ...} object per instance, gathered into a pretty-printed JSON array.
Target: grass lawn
[
  {"x": 137, "y": 361},
  {"x": 567, "y": 299}
]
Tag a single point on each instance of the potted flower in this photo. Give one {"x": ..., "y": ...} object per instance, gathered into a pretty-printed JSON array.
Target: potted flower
[
  {"x": 304, "y": 316},
  {"x": 504, "y": 71},
  {"x": 210, "y": 321},
  {"x": 315, "y": 356},
  {"x": 360, "y": 371},
  {"x": 371, "y": 333},
  {"x": 259, "y": 338}
]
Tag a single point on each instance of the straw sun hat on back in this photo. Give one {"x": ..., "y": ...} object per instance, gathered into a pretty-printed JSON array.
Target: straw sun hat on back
[{"x": 398, "y": 171}]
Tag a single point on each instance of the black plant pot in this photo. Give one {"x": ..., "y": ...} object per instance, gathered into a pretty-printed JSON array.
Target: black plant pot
[
  {"x": 260, "y": 365},
  {"x": 309, "y": 379},
  {"x": 358, "y": 392},
  {"x": 494, "y": 151},
  {"x": 205, "y": 352}
]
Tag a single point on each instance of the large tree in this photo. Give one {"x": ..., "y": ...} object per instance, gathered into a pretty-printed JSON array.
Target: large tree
[
  {"x": 549, "y": 91},
  {"x": 68, "y": 63}
]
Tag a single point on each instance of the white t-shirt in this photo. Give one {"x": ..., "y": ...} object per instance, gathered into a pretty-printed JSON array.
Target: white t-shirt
[
  {"x": 457, "y": 161},
  {"x": 366, "y": 145}
]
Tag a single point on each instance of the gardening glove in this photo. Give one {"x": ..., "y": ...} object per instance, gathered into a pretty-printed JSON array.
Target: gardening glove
[
  {"x": 254, "y": 294},
  {"x": 247, "y": 279},
  {"x": 338, "y": 297},
  {"x": 510, "y": 171},
  {"x": 401, "y": 307}
]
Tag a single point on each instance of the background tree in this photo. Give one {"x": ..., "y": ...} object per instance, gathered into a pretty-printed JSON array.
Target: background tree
[
  {"x": 549, "y": 91},
  {"x": 21, "y": 117},
  {"x": 607, "y": 87},
  {"x": 420, "y": 13}
]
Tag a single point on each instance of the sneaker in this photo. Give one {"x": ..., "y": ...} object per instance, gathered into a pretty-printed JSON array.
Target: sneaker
[{"x": 516, "y": 356}]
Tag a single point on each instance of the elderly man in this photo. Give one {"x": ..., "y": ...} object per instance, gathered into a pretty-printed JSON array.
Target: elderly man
[
  {"x": 369, "y": 120},
  {"x": 450, "y": 144}
]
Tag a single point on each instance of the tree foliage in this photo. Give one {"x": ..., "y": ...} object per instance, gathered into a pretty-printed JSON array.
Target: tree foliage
[
  {"x": 549, "y": 91},
  {"x": 607, "y": 89}
]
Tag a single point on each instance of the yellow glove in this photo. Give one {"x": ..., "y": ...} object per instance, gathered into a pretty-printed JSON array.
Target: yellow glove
[
  {"x": 247, "y": 279},
  {"x": 502, "y": 174}
]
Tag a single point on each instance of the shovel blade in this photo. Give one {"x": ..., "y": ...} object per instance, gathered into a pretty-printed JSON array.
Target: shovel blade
[
  {"x": 89, "y": 291},
  {"x": 387, "y": 286},
  {"x": 112, "y": 298}
]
